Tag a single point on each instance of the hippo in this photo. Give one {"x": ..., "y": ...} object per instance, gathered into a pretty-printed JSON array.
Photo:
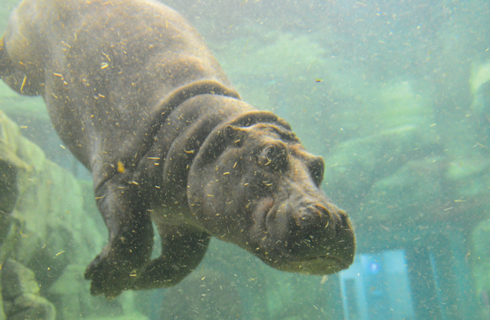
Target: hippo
[{"x": 138, "y": 98}]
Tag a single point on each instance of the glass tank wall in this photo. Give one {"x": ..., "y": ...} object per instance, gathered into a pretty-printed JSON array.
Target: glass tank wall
[{"x": 394, "y": 95}]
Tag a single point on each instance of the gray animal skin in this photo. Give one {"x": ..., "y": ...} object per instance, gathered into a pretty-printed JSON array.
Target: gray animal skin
[{"x": 136, "y": 95}]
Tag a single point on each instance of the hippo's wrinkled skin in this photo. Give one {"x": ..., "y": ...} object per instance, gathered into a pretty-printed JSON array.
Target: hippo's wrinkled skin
[{"x": 136, "y": 95}]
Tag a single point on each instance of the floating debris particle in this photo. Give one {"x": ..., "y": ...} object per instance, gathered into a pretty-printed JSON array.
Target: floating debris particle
[{"x": 120, "y": 167}]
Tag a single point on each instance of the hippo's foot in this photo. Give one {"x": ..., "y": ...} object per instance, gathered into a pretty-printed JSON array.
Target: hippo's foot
[
  {"x": 130, "y": 240},
  {"x": 109, "y": 276},
  {"x": 116, "y": 268}
]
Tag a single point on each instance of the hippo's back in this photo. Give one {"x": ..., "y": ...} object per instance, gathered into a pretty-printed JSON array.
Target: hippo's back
[{"x": 109, "y": 70}]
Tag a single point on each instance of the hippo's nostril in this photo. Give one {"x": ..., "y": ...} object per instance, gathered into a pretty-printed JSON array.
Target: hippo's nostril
[
  {"x": 314, "y": 218},
  {"x": 320, "y": 210},
  {"x": 308, "y": 216},
  {"x": 345, "y": 223}
]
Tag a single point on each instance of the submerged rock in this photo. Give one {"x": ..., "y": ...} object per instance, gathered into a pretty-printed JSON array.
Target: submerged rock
[
  {"x": 356, "y": 165},
  {"x": 21, "y": 294},
  {"x": 48, "y": 233}
]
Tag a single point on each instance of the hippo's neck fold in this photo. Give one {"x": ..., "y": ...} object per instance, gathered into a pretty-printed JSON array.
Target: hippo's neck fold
[
  {"x": 143, "y": 140},
  {"x": 192, "y": 133},
  {"x": 167, "y": 106}
]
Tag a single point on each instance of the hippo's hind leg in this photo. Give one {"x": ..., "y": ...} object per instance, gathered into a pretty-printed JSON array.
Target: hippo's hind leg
[
  {"x": 125, "y": 213},
  {"x": 182, "y": 251}
]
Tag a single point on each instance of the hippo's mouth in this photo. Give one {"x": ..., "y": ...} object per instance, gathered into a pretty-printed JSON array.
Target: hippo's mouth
[
  {"x": 320, "y": 265},
  {"x": 264, "y": 213},
  {"x": 334, "y": 261},
  {"x": 267, "y": 205}
]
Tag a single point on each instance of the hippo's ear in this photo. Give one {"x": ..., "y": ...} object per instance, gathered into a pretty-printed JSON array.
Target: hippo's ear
[
  {"x": 316, "y": 165},
  {"x": 235, "y": 135}
]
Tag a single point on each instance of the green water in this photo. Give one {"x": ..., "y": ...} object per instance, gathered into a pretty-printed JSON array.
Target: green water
[{"x": 395, "y": 95}]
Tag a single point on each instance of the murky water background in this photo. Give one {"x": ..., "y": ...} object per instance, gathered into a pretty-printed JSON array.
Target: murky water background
[{"x": 395, "y": 95}]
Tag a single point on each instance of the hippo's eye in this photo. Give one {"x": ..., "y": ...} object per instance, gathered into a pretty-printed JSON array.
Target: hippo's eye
[
  {"x": 317, "y": 168},
  {"x": 274, "y": 156}
]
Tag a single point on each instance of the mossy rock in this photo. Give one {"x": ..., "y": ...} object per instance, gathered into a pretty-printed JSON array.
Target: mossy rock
[
  {"x": 57, "y": 232},
  {"x": 21, "y": 294},
  {"x": 356, "y": 165},
  {"x": 410, "y": 196}
]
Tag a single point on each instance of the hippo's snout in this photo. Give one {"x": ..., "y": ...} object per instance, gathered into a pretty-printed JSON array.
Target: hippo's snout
[
  {"x": 316, "y": 229},
  {"x": 314, "y": 237}
]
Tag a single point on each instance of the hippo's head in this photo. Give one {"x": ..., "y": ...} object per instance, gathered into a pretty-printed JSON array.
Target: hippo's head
[{"x": 254, "y": 185}]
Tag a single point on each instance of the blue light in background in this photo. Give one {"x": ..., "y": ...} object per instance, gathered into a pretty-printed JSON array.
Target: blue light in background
[{"x": 374, "y": 267}]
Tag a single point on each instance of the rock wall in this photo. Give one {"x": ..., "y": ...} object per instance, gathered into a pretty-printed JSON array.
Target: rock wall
[{"x": 50, "y": 231}]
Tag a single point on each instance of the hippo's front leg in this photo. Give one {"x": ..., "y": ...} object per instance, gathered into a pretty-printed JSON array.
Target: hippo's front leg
[
  {"x": 182, "y": 251},
  {"x": 130, "y": 238}
]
